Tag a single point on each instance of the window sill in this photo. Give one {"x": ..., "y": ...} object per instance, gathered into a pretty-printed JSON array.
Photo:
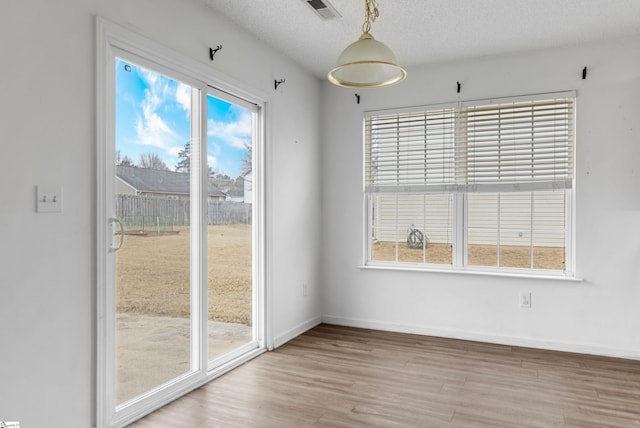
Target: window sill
[{"x": 508, "y": 274}]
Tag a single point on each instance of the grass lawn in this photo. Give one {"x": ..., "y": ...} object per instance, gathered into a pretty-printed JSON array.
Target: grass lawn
[
  {"x": 152, "y": 274},
  {"x": 478, "y": 255}
]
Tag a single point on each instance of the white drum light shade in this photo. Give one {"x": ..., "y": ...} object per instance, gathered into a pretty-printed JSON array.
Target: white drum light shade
[{"x": 366, "y": 63}]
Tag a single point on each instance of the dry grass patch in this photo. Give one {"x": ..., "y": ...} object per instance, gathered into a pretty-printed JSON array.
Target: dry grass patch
[
  {"x": 436, "y": 253},
  {"x": 478, "y": 255},
  {"x": 153, "y": 274}
]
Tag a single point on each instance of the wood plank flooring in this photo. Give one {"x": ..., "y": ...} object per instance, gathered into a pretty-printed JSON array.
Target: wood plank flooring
[{"x": 335, "y": 376}]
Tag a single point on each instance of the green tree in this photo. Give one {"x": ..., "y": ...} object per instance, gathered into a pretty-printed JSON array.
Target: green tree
[{"x": 184, "y": 159}]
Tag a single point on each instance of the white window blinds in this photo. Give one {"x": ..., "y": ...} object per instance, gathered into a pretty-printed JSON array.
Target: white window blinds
[
  {"x": 477, "y": 146},
  {"x": 519, "y": 146},
  {"x": 410, "y": 152}
]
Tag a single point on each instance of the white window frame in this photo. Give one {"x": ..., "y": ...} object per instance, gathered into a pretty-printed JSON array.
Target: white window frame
[{"x": 459, "y": 224}]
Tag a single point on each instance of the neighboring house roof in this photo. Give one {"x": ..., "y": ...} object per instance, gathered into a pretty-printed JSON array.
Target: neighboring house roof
[{"x": 146, "y": 180}]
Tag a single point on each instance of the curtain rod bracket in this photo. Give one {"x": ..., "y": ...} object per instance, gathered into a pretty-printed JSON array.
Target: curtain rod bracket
[
  {"x": 357, "y": 98},
  {"x": 277, "y": 83},
  {"x": 584, "y": 73},
  {"x": 212, "y": 52},
  {"x": 458, "y": 83}
]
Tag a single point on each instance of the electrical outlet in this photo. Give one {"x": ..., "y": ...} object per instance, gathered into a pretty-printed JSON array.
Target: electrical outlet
[
  {"x": 525, "y": 300},
  {"x": 305, "y": 289}
]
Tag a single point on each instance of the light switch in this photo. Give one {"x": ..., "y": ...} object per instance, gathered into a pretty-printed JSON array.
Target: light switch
[{"x": 48, "y": 199}]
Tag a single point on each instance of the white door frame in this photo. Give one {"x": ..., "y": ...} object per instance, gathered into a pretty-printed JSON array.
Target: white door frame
[{"x": 112, "y": 41}]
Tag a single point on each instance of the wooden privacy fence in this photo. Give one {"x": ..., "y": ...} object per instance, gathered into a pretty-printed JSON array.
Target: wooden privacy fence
[{"x": 178, "y": 211}]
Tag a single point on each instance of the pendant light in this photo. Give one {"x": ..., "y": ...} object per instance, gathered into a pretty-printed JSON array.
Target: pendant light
[{"x": 367, "y": 63}]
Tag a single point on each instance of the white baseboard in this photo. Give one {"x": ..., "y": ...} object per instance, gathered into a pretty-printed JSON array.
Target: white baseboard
[
  {"x": 295, "y": 331},
  {"x": 475, "y": 336}
]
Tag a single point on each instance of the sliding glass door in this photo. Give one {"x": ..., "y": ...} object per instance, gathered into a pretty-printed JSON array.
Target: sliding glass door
[{"x": 180, "y": 259}]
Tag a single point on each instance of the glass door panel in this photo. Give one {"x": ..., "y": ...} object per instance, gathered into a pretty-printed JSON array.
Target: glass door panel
[
  {"x": 230, "y": 136},
  {"x": 152, "y": 203}
]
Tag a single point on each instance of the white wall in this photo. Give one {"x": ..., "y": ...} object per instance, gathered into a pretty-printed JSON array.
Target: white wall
[
  {"x": 48, "y": 135},
  {"x": 598, "y": 315}
]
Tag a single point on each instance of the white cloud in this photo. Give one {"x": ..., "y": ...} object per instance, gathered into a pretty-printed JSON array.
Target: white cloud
[
  {"x": 174, "y": 150},
  {"x": 236, "y": 133},
  {"x": 151, "y": 129},
  {"x": 149, "y": 76},
  {"x": 183, "y": 96},
  {"x": 212, "y": 161}
]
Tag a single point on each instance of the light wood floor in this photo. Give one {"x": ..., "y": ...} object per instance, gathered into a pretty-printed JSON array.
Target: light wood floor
[{"x": 343, "y": 377}]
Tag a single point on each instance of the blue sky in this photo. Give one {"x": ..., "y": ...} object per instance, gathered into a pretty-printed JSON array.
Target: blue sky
[{"x": 153, "y": 115}]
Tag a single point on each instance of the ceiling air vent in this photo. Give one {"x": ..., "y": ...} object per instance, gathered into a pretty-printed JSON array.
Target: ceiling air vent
[{"x": 323, "y": 8}]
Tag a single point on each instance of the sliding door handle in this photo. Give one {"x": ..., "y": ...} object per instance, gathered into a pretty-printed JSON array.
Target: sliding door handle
[{"x": 113, "y": 249}]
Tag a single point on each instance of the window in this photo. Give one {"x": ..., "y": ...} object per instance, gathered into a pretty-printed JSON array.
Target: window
[{"x": 482, "y": 185}]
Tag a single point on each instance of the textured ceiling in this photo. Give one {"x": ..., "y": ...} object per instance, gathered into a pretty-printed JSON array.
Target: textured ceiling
[{"x": 427, "y": 31}]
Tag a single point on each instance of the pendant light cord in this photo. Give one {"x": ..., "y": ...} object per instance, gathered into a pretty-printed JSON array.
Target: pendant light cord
[{"x": 372, "y": 14}]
